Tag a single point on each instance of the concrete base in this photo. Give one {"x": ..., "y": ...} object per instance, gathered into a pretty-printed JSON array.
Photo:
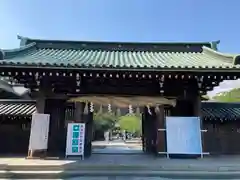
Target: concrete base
[{"x": 37, "y": 154}]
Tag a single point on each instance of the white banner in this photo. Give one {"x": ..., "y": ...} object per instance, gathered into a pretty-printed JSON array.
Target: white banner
[
  {"x": 39, "y": 132},
  {"x": 183, "y": 135},
  {"x": 75, "y": 139}
]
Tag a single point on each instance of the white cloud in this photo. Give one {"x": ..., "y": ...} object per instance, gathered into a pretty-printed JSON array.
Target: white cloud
[{"x": 225, "y": 86}]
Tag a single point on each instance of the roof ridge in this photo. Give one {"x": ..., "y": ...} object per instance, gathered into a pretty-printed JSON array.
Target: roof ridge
[
  {"x": 25, "y": 39},
  {"x": 230, "y": 58},
  {"x": 17, "y": 100},
  {"x": 21, "y": 48}
]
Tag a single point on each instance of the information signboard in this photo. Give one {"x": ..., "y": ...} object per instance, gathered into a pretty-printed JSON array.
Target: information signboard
[
  {"x": 183, "y": 135},
  {"x": 75, "y": 139},
  {"x": 39, "y": 132}
]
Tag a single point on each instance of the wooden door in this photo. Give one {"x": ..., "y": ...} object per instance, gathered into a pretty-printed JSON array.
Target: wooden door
[{"x": 143, "y": 132}]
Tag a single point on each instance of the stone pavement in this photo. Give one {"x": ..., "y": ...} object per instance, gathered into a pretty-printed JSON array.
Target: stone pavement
[
  {"x": 114, "y": 178},
  {"x": 119, "y": 147},
  {"x": 138, "y": 161},
  {"x": 116, "y": 166}
]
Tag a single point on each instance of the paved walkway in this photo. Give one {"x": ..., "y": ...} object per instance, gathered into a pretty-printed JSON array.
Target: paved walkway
[
  {"x": 166, "y": 167},
  {"x": 117, "y": 147},
  {"x": 141, "y": 159}
]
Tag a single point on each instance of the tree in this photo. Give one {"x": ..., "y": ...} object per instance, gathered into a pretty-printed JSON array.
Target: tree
[
  {"x": 229, "y": 96},
  {"x": 130, "y": 123},
  {"x": 104, "y": 121},
  {"x": 108, "y": 121}
]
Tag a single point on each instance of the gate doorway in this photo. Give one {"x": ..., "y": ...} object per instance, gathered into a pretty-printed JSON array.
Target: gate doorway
[
  {"x": 115, "y": 133},
  {"x": 122, "y": 128}
]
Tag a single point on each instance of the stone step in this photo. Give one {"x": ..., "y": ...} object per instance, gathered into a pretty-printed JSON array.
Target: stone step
[
  {"x": 114, "y": 174},
  {"x": 110, "y": 167}
]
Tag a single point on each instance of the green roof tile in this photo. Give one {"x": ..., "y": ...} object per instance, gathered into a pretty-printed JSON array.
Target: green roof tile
[
  {"x": 218, "y": 110},
  {"x": 117, "y": 55},
  {"x": 17, "y": 107},
  {"x": 210, "y": 111}
]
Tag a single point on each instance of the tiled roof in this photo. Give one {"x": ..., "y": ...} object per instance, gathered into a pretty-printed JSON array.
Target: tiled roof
[
  {"x": 210, "y": 110},
  {"x": 223, "y": 111},
  {"x": 107, "y": 55},
  {"x": 16, "y": 108}
]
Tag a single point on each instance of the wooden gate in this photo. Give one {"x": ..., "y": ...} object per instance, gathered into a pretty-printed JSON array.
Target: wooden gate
[
  {"x": 57, "y": 129},
  {"x": 143, "y": 132},
  {"x": 149, "y": 135},
  {"x": 88, "y": 120},
  {"x": 14, "y": 137},
  {"x": 222, "y": 138}
]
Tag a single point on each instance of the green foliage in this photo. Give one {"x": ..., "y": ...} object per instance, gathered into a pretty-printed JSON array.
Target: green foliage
[
  {"x": 104, "y": 121},
  {"x": 107, "y": 121},
  {"x": 130, "y": 123},
  {"x": 230, "y": 96}
]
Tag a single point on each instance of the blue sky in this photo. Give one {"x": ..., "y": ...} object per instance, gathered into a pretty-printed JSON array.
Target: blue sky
[{"x": 122, "y": 20}]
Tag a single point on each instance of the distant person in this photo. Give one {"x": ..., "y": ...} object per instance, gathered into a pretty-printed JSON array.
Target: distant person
[
  {"x": 124, "y": 135},
  {"x": 106, "y": 136}
]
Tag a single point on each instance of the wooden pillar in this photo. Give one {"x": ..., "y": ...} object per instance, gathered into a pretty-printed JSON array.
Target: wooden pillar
[
  {"x": 144, "y": 131},
  {"x": 197, "y": 105},
  {"x": 57, "y": 129},
  {"x": 89, "y": 130},
  {"x": 153, "y": 131},
  {"x": 78, "y": 112},
  {"x": 40, "y": 104},
  {"x": 198, "y": 112},
  {"x": 148, "y": 131},
  {"x": 161, "y": 145},
  {"x": 82, "y": 114}
]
